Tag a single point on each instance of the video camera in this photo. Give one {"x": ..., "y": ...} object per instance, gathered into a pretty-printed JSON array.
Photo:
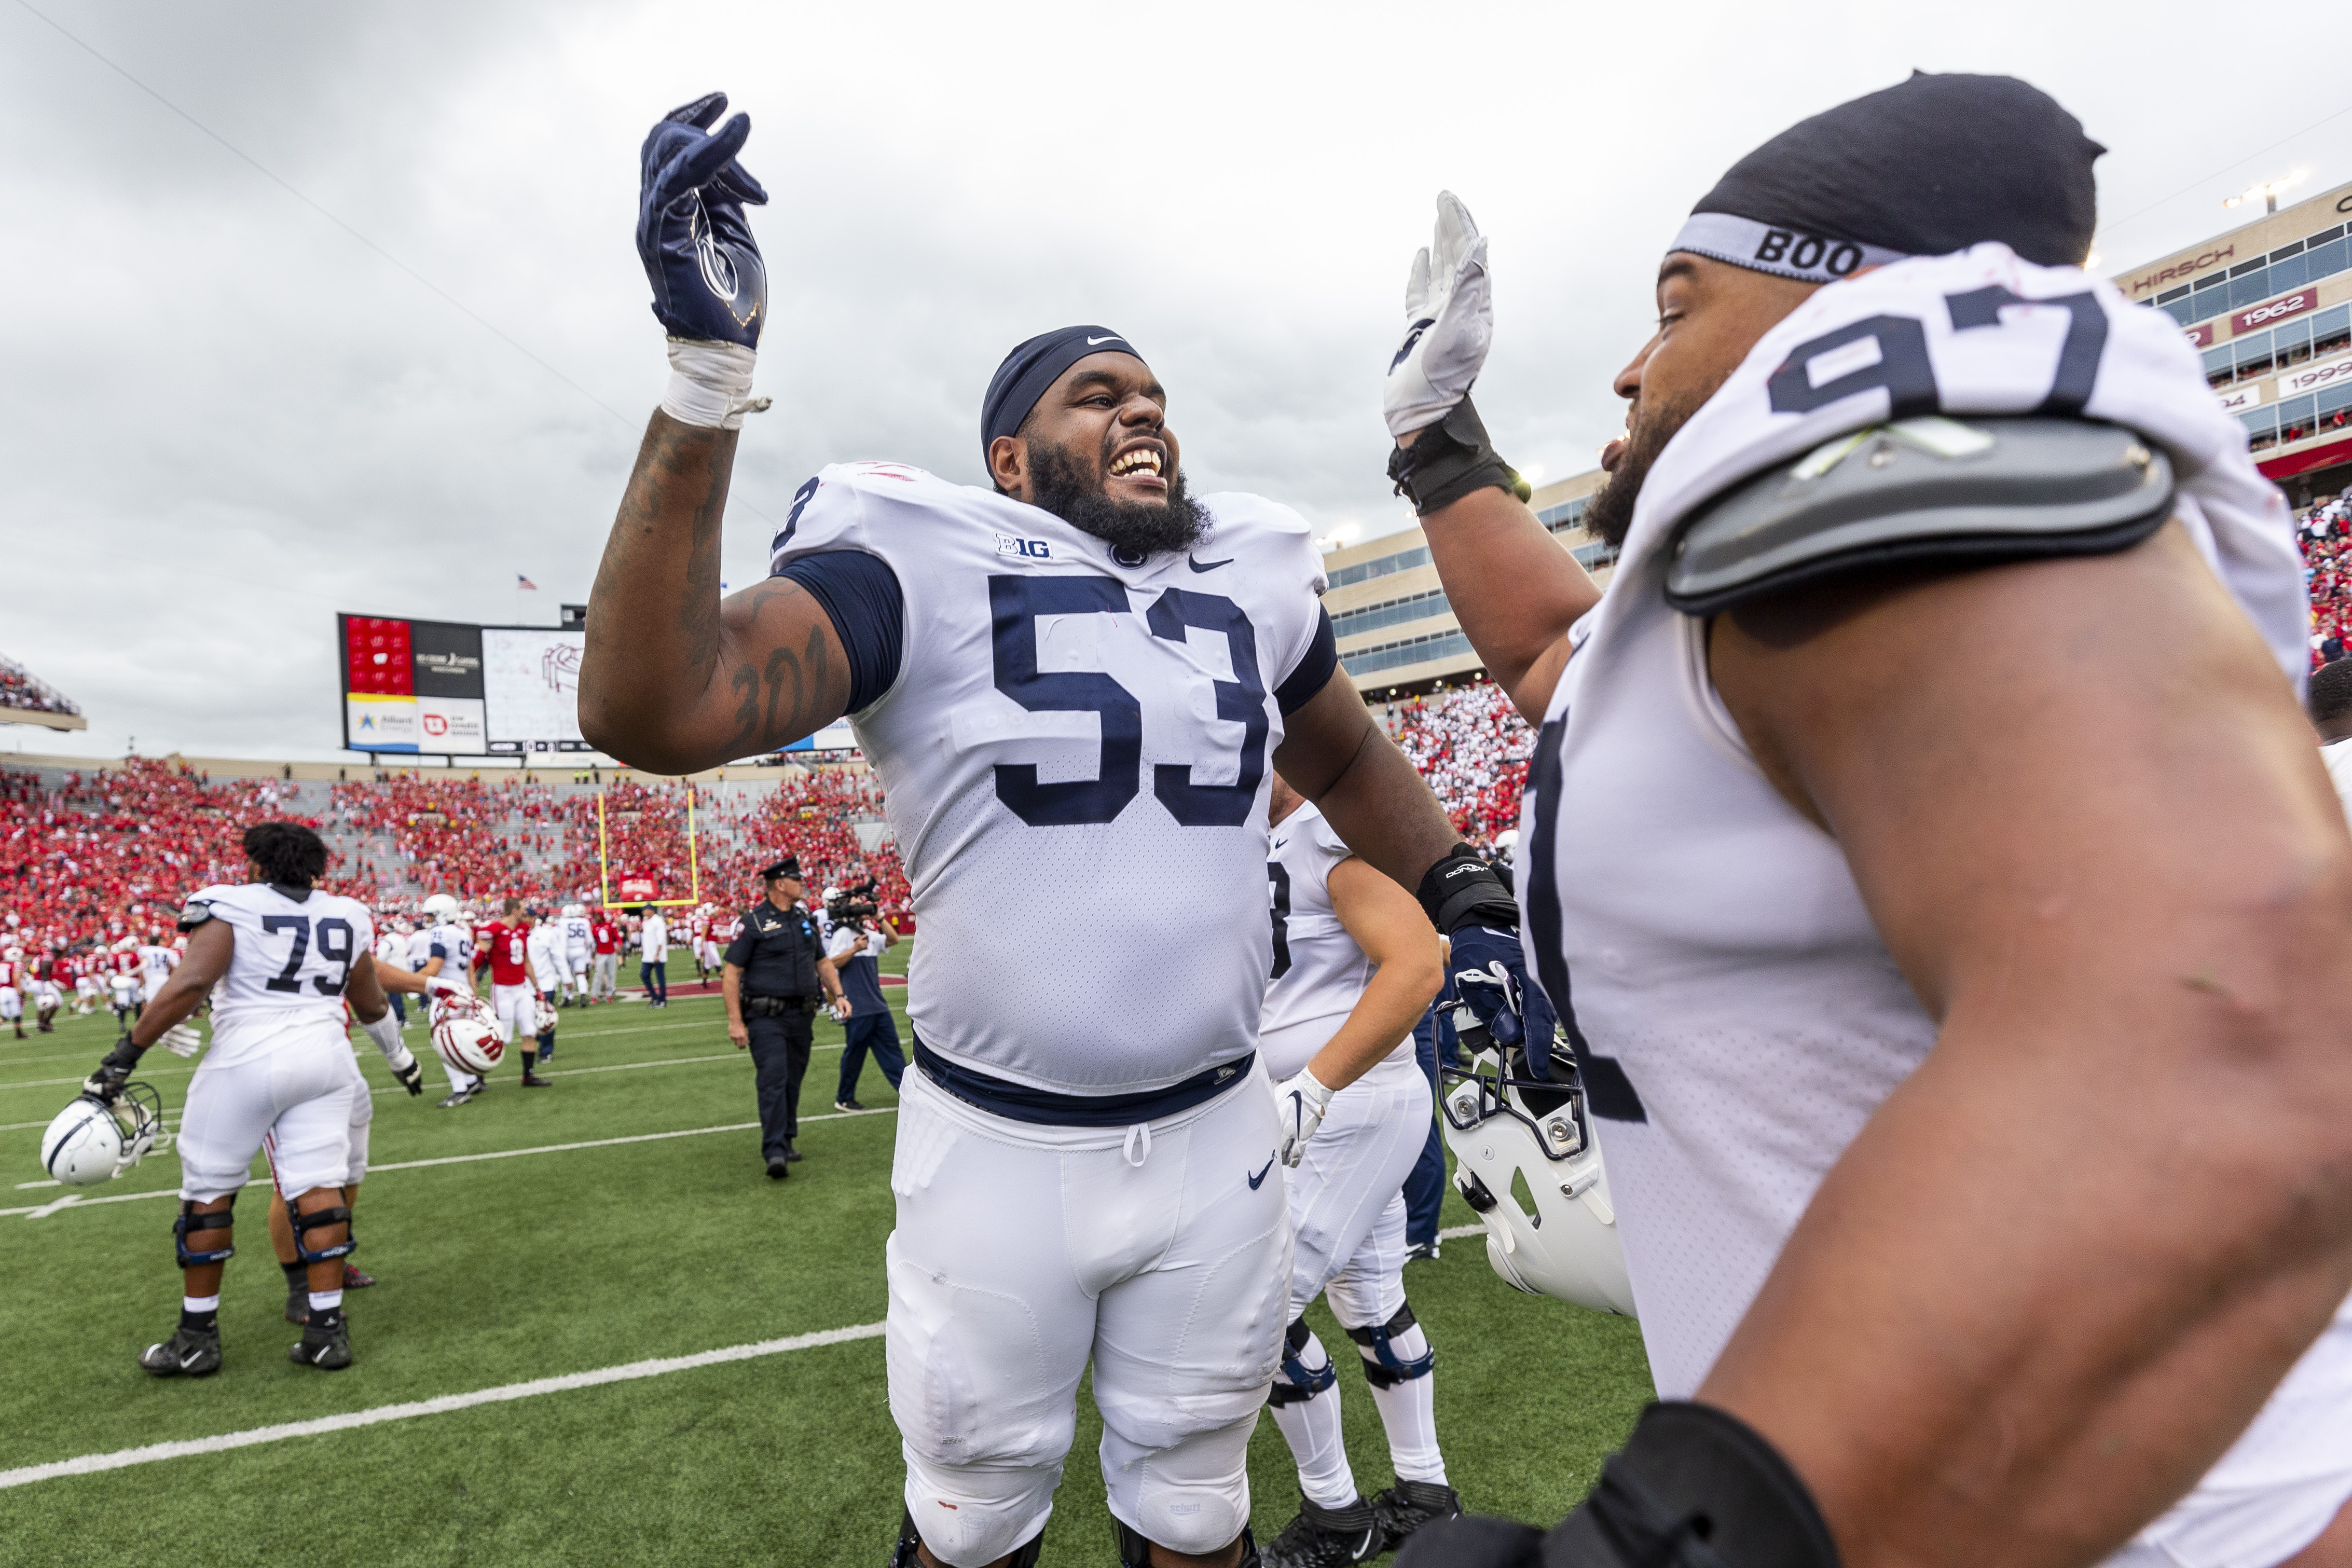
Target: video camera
[{"x": 849, "y": 905}]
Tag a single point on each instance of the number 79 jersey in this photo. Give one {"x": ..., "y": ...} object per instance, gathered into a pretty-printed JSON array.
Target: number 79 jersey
[
  {"x": 1075, "y": 754},
  {"x": 286, "y": 979}
]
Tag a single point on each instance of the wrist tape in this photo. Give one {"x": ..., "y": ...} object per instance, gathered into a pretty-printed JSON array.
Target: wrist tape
[
  {"x": 710, "y": 384},
  {"x": 1462, "y": 888},
  {"x": 1450, "y": 460}
]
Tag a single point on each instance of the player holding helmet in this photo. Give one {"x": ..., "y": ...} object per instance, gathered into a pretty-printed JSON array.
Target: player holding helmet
[
  {"x": 1981, "y": 1141},
  {"x": 277, "y": 957},
  {"x": 11, "y": 998},
  {"x": 1078, "y": 678}
]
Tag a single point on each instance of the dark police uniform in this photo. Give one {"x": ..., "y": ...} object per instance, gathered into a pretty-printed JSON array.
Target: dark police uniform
[{"x": 778, "y": 951}]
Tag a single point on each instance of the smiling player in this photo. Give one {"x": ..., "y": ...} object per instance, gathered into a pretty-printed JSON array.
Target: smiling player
[{"x": 1075, "y": 681}]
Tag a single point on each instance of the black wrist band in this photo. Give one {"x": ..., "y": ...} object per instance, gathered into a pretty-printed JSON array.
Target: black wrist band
[
  {"x": 1462, "y": 888},
  {"x": 1450, "y": 460},
  {"x": 1695, "y": 1485}
]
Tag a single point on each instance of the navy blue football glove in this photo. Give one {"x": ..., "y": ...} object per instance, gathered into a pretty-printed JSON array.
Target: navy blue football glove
[
  {"x": 710, "y": 285},
  {"x": 1490, "y": 975}
]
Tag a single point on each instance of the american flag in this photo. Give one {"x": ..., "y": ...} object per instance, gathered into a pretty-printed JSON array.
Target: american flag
[{"x": 523, "y": 581}]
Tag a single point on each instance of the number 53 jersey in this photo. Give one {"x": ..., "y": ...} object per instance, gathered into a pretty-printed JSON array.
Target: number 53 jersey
[
  {"x": 286, "y": 979},
  {"x": 1073, "y": 750}
]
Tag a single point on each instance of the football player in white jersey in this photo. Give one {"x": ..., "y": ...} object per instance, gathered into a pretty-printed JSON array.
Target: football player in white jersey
[
  {"x": 277, "y": 958},
  {"x": 579, "y": 948},
  {"x": 1355, "y": 965},
  {"x": 548, "y": 975},
  {"x": 443, "y": 952},
  {"x": 1074, "y": 683},
  {"x": 11, "y": 998},
  {"x": 1978, "y": 1128}
]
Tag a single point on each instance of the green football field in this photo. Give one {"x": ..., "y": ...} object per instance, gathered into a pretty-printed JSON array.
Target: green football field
[{"x": 617, "y": 1219}]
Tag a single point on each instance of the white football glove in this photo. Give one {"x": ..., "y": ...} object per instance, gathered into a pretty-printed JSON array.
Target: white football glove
[
  {"x": 1301, "y": 1101},
  {"x": 180, "y": 1041},
  {"x": 1449, "y": 323}
]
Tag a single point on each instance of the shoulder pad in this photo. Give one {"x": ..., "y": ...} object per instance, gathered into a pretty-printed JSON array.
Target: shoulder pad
[
  {"x": 195, "y": 912},
  {"x": 1922, "y": 492}
]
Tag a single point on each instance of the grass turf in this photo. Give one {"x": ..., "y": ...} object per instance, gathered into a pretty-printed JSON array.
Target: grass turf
[{"x": 504, "y": 1270}]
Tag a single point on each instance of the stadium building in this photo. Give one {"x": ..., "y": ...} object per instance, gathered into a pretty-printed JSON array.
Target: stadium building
[
  {"x": 2269, "y": 304},
  {"x": 1397, "y": 637}
]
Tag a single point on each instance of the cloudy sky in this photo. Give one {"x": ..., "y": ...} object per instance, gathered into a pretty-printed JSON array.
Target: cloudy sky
[{"x": 225, "y": 415}]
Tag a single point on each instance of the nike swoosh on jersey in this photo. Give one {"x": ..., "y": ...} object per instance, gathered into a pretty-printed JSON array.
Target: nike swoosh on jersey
[
  {"x": 1260, "y": 1177},
  {"x": 1206, "y": 565}
]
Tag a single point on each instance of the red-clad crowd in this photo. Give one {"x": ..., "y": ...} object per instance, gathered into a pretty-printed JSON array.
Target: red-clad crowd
[
  {"x": 1472, "y": 746},
  {"x": 2324, "y": 532}
]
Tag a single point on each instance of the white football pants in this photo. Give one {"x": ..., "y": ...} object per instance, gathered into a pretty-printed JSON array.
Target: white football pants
[
  {"x": 297, "y": 1095},
  {"x": 1159, "y": 1252},
  {"x": 12, "y": 1005},
  {"x": 356, "y": 1142},
  {"x": 517, "y": 1007}
]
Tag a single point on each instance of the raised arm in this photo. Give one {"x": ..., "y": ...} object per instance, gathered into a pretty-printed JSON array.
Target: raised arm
[
  {"x": 1481, "y": 534},
  {"x": 674, "y": 680},
  {"x": 2064, "y": 1263}
]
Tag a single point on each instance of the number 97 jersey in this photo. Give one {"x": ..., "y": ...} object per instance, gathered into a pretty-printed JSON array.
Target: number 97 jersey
[
  {"x": 293, "y": 960},
  {"x": 1074, "y": 751}
]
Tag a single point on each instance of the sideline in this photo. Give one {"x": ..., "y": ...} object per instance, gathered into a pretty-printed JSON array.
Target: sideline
[
  {"x": 77, "y": 1202},
  {"x": 91, "y": 1464}
]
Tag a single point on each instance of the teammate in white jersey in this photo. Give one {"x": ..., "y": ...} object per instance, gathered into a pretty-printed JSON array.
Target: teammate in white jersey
[
  {"x": 11, "y": 998},
  {"x": 1074, "y": 683},
  {"x": 278, "y": 959},
  {"x": 1355, "y": 966},
  {"x": 443, "y": 952},
  {"x": 579, "y": 949},
  {"x": 1954, "y": 927}
]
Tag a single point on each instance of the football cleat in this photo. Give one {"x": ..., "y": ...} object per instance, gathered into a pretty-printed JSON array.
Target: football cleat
[
  {"x": 298, "y": 1308},
  {"x": 847, "y": 1105},
  {"x": 1421, "y": 1252},
  {"x": 1326, "y": 1537},
  {"x": 454, "y": 1098},
  {"x": 326, "y": 1342},
  {"x": 190, "y": 1352},
  {"x": 1408, "y": 1505},
  {"x": 356, "y": 1281}
]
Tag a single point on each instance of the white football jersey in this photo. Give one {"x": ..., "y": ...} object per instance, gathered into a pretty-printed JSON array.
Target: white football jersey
[
  {"x": 545, "y": 946},
  {"x": 155, "y": 966},
  {"x": 1736, "y": 1015},
  {"x": 577, "y": 938},
  {"x": 457, "y": 945},
  {"x": 1318, "y": 972},
  {"x": 1079, "y": 744},
  {"x": 286, "y": 978}
]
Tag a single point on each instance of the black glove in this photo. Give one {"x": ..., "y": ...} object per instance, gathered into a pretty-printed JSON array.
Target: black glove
[
  {"x": 412, "y": 1078},
  {"x": 1465, "y": 900},
  {"x": 1693, "y": 1487},
  {"x": 113, "y": 1069}
]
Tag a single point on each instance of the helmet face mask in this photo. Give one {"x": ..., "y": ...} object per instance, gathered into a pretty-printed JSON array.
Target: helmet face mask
[
  {"x": 1512, "y": 1133},
  {"x": 94, "y": 1140}
]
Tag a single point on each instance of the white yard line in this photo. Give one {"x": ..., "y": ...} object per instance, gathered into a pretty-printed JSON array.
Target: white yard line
[
  {"x": 79, "y": 1201},
  {"x": 1456, "y": 1232},
  {"x": 122, "y": 1458}
]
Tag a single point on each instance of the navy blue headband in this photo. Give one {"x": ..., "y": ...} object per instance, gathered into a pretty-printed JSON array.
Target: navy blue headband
[{"x": 1033, "y": 367}]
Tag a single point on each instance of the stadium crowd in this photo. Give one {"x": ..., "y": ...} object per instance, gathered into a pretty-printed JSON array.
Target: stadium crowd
[
  {"x": 1472, "y": 746},
  {"x": 2324, "y": 532}
]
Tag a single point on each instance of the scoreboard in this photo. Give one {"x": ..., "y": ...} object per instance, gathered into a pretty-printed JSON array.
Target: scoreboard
[{"x": 453, "y": 689}]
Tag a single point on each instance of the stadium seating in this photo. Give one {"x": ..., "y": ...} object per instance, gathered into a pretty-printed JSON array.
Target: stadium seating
[
  {"x": 2324, "y": 532},
  {"x": 1472, "y": 746},
  {"x": 23, "y": 691}
]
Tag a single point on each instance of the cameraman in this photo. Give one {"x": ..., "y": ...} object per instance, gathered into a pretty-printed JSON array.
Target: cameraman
[
  {"x": 774, "y": 975},
  {"x": 860, "y": 935}
]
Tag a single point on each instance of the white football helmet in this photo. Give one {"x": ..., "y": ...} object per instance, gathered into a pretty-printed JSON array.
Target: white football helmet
[
  {"x": 1514, "y": 1134},
  {"x": 93, "y": 1141},
  {"x": 470, "y": 1041},
  {"x": 571, "y": 910},
  {"x": 440, "y": 907},
  {"x": 543, "y": 1017}
]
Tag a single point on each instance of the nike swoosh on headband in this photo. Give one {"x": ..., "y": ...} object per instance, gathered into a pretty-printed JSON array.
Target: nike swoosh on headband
[{"x": 1092, "y": 341}]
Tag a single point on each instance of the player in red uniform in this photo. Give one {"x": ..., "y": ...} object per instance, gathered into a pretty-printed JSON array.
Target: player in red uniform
[
  {"x": 506, "y": 943},
  {"x": 605, "y": 983}
]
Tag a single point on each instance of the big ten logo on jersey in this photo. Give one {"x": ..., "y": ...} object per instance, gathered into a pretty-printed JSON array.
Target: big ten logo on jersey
[
  {"x": 1099, "y": 681},
  {"x": 1035, "y": 549}
]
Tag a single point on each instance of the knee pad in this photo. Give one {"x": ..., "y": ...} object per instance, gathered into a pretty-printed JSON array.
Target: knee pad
[
  {"x": 304, "y": 1223},
  {"x": 192, "y": 1223},
  {"x": 1024, "y": 1556},
  {"x": 1299, "y": 1383},
  {"x": 1383, "y": 1368},
  {"x": 995, "y": 1511}
]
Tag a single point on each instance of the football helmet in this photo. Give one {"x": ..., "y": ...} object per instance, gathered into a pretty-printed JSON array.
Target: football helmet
[
  {"x": 470, "y": 1041},
  {"x": 440, "y": 907},
  {"x": 542, "y": 1017},
  {"x": 1513, "y": 1133},
  {"x": 573, "y": 910},
  {"x": 93, "y": 1140}
]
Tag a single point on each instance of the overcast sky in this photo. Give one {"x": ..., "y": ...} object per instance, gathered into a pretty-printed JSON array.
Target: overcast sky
[{"x": 224, "y": 417}]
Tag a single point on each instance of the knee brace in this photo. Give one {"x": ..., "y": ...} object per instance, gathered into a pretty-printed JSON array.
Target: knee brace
[
  {"x": 1383, "y": 1368},
  {"x": 903, "y": 1556},
  {"x": 1303, "y": 1383},
  {"x": 304, "y": 1223},
  {"x": 1135, "y": 1551},
  {"x": 192, "y": 1223}
]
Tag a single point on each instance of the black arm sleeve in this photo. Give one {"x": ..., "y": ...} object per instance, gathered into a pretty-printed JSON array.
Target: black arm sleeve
[
  {"x": 1315, "y": 666},
  {"x": 861, "y": 596}
]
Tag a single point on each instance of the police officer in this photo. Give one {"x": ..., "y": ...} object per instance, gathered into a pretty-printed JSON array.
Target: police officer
[{"x": 775, "y": 975}]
